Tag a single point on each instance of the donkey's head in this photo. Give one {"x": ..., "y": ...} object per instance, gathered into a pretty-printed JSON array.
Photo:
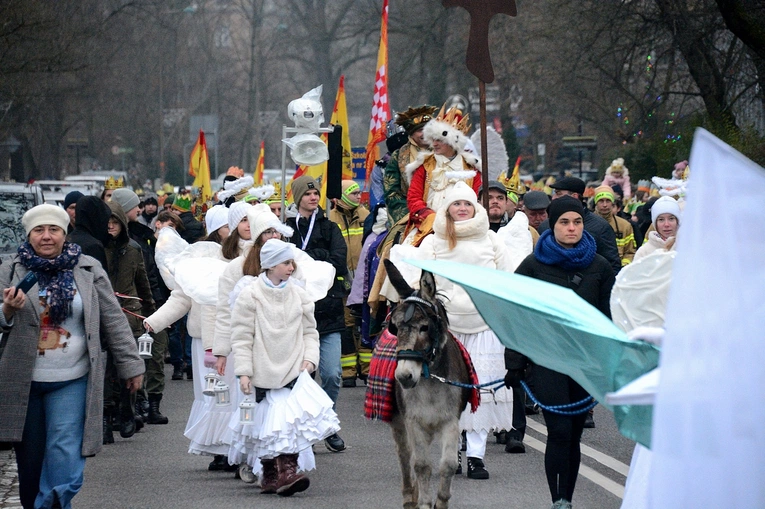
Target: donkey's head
[{"x": 420, "y": 324}]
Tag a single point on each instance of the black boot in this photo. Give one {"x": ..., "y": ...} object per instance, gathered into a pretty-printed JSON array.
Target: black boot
[
  {"x": 108, "y": 430},
  {"x": 476, "y": 469},
  {"x": 155, "y": 416},
  {"x": 177, "y": 372},
  {"x": 127, "y": 422}
]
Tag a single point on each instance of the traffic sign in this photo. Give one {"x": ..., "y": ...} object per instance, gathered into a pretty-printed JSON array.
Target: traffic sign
[{"x": 588, "y": 142}]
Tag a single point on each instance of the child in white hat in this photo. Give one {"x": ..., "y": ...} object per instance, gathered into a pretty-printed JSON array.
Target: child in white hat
[{"x": 276, "y": 345}]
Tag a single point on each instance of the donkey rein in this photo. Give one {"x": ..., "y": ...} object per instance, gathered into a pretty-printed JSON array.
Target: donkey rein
[{"x": 576, "y": 408}]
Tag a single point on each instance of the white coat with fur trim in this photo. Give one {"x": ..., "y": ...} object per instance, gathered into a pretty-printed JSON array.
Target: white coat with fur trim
[
  {"x": 476, "y": 245},
  {"x": 273, "y": 331}
]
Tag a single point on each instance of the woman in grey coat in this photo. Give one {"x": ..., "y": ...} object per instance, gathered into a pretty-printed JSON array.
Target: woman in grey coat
[{"x": 52, "y": 364}]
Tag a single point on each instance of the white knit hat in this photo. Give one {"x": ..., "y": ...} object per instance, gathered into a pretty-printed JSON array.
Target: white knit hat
[
  {"x": 460, "y": 191},
  {"x": 216, "y": 218},
  {"x": 45, "y": 214},
  {"x": 274, "y": 252},
  {"x": 236, "y": 213},
  {"x": 262, "y": 218},
  {"x": 665, "y": 205}
]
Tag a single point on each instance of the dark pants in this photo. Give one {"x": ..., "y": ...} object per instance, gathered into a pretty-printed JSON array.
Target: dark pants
[
  {"x": 564, "y": 432},
  {"x": 179, "y": 344},
  {"x": 155, "y": 367},
  {"x": 519, "y": 414}
]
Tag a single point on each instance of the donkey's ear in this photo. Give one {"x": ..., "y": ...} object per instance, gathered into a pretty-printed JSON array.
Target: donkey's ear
[
  {"x": 397, "y": 280},
  {"x": 428, "y": 285}
]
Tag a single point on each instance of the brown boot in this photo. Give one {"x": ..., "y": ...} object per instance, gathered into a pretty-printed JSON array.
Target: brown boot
[
  {"x": 290, "y": 481},
  {"x": 270, "y": 480}
]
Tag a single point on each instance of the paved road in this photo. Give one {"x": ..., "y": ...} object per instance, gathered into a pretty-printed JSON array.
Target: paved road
[{"x": 153, "y": 470}]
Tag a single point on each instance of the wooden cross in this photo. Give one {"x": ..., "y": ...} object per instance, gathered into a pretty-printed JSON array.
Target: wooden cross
[{"x": 481, "y": 12}]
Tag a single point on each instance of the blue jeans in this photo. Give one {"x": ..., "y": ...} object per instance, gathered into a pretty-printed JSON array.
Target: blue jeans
[
  {"x": 329, "y": 364},
  {"x": 179, "y": 343},
  {"x": 49, "y": 456}
]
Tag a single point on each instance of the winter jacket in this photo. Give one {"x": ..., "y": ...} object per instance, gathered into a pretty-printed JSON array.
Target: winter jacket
[
  {"x": 273, "y": 330},
  {"x": 603, "y": 234},
  {"x": 326, "y": 244},
  {"x": 351, "y": 223},
  {"x": 144, "y": 236},
  {"x": 476, "y": 245},
  {"x": 625, "y": 237},
  {"x": 193, "y": 229},
  {"x": 105, "y": 329},
  {"x": 91, "y": 228},
  {"x": 128, "y": 274}
]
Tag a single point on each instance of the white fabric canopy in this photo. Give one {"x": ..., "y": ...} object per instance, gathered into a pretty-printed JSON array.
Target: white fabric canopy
[{"x": 709, "y": 417}]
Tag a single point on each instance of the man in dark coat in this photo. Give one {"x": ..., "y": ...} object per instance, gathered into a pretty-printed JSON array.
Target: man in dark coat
[
  {"x": 193, "y": 229},
  {"x": 604, "y": 235},
  {"x": 322, "y": 240},
  {"x": 91, "y": 227}
]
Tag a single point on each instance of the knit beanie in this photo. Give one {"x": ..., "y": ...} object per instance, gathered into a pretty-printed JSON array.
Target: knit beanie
[
  {"x": 301, "y": 185},
  {"x": 561, "y": 205},
  {"x": 460, "y": 191},
  {"x": 216, "y": 218},
  {"x": 665, "y": 205},
  {"x": 126, "y": 198},
  {"x": 349, "y": 186},
  {"x": 236, "y": 213},
  {"x": 151, "y": 201},
  {"x": 71, "y": 198},
  {"x": 262, "y": 218},
  {"x": 604, "y": 192},
  {"x": 274, "y": 252},
  {"x": 45, "y": 214}
]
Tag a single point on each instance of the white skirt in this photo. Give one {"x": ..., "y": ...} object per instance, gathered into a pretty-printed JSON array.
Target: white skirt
[
  {"x": 285, "y": 422},
  {"x": 208, "y": 425},
  {"x": 495, "y": 412}
]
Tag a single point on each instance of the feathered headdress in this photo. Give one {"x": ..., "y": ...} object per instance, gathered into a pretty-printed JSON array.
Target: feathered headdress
[
  {"x": 234, "y": 187},
  {"x": 449, "y": 127},
  {"x": 415, "y": 118}
]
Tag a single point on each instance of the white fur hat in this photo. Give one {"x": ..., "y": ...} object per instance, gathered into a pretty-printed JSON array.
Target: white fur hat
[
  {"x": 446, "y": 133},
  {"x": 665, "y": 205},
  {"x": 460, "y": 191},
  {"x": 274, "y": 252},
  {"x": 45, "y": 214},
  {"x": 236, "y": 213},
  {"x": 216, "y": 218},
  {"x": 262, "y": 218}
]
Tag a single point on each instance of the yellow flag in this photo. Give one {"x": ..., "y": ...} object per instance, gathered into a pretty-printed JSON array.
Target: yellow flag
[
  {"x": 340, "y": 117},
  {"x": 199, "y": 168},
  {"x": 261, "y": 164}
]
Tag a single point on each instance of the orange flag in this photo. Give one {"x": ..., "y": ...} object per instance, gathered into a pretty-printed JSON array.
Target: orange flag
[
  {"x": 380, "y": 106},
  {"x": 199, "y": 168},
  {"x": 261, "y": 164}
]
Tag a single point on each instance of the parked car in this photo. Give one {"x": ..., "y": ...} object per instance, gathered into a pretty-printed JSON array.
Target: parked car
[{"x": 15, "y": 200}]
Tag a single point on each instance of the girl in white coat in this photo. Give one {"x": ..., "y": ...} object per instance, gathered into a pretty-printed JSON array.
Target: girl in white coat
[
  {"x": 665, "y": 215},
  {"x": 461, "y": 234},
  {"x": 275, "y": 345}
]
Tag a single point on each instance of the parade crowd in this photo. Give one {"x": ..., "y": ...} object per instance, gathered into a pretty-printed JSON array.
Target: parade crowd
[{"x": 271, "y": 317}]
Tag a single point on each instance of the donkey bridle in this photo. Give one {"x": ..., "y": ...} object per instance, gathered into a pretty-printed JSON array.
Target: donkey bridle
[{"x": 426, "y": 355}]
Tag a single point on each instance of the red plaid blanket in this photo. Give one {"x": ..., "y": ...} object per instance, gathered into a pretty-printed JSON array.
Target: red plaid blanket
[{"x": 380, "y": 400}]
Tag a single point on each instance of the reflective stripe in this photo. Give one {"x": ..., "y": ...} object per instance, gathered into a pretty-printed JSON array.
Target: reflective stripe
[
  {"x": 365, "y": 357},
  {"x": 350, "y": 232},
  {"x": 625, "y": 240},
  {"x": 348, "y": 361},
  {"x": 626, "y": 261}
]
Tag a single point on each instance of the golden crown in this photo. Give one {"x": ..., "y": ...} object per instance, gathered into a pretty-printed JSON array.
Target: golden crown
[
  {"x": 513, "y": 183},
  {"x": 454, "y": 118},
  {"x": 277, "y": 196},
  {"x": 114, "y": 184}
]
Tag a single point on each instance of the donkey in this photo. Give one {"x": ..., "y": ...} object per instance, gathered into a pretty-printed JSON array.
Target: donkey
[{"x": 425, "y": 406}]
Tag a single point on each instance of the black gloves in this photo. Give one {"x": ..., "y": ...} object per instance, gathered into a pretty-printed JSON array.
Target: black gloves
[{"x": 513, "y": 378}]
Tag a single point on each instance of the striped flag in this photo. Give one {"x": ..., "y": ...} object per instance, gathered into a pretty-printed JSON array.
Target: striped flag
[
  {"x": 380, "y": 106},
  {"x": 261, "y": 164}
]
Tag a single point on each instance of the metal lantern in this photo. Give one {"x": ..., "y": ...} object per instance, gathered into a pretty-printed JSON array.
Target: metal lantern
[
  {"x": 246, "y": 411},
  {"x": 222, "y": 394},
  {"x": 211, "y": 379},
  {"x": 144, "y": 345}
]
